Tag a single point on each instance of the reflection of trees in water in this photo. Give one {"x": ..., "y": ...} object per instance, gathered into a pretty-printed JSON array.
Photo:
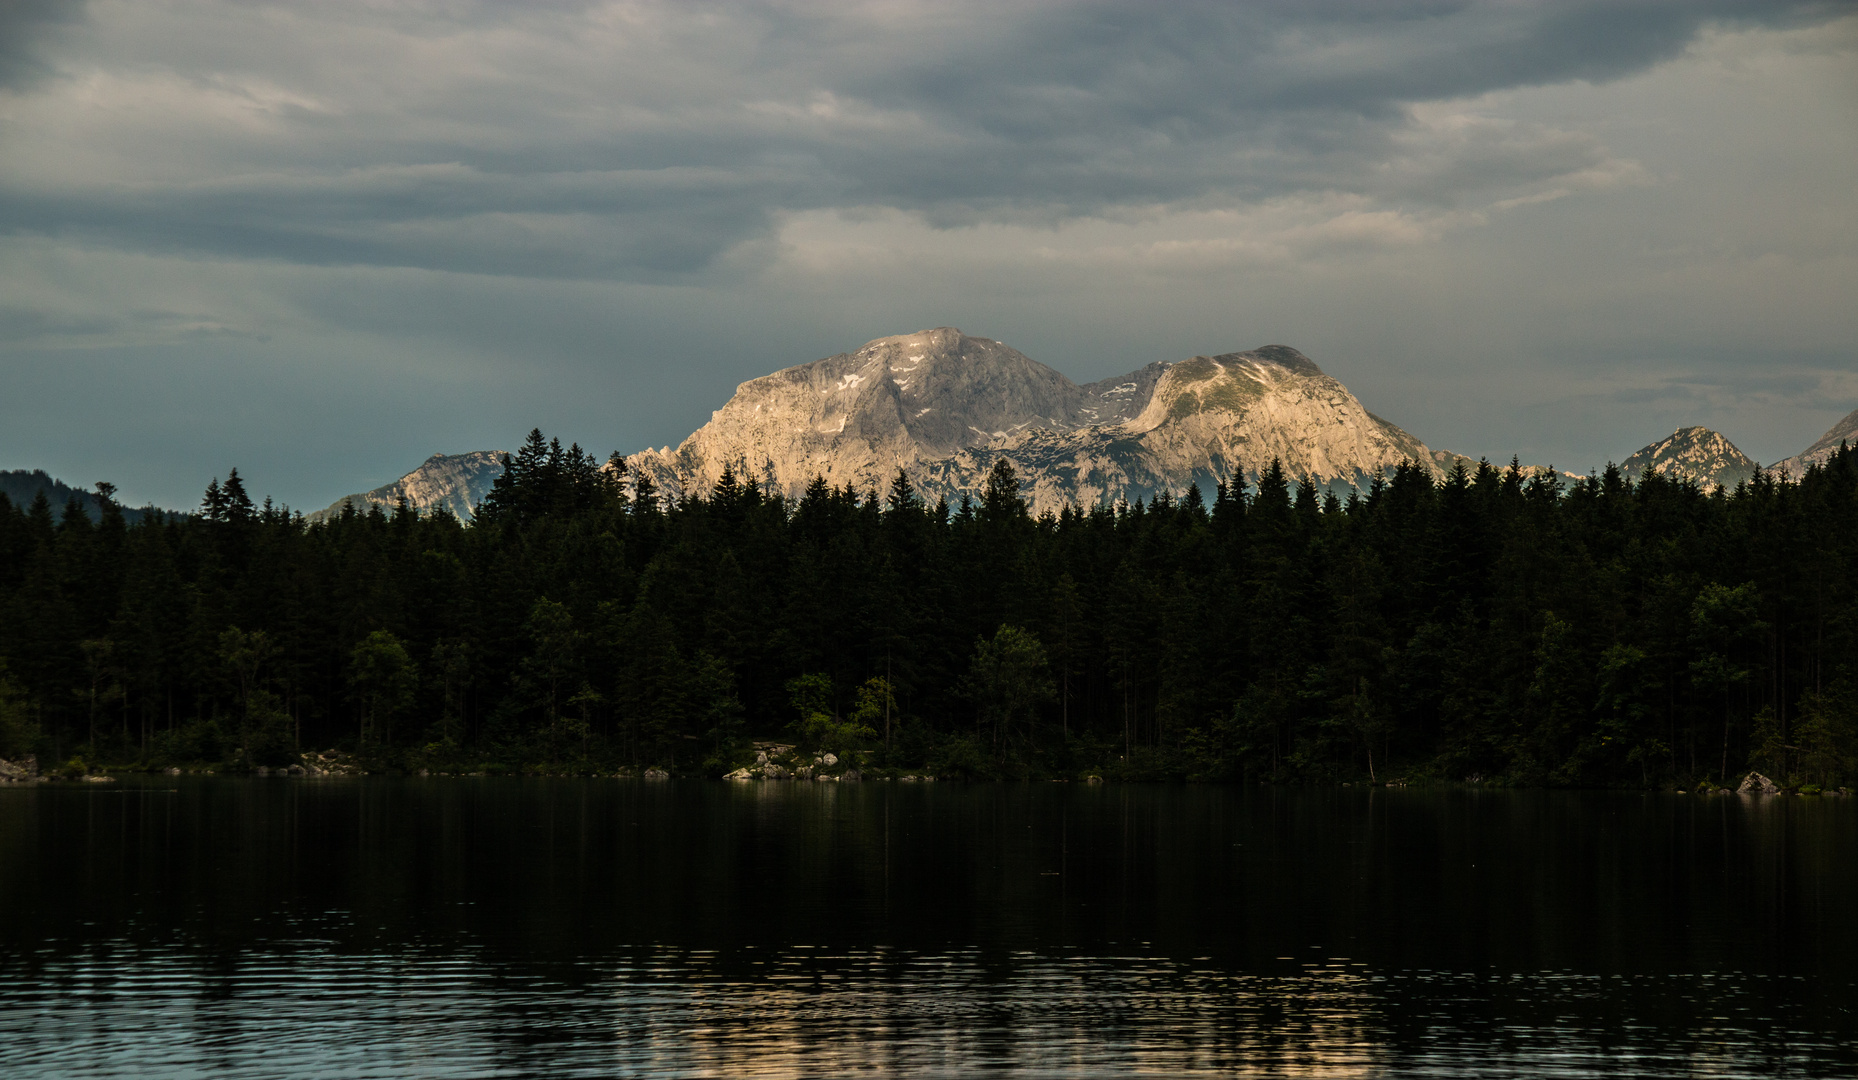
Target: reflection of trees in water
[{"x": 798, "y": 928}]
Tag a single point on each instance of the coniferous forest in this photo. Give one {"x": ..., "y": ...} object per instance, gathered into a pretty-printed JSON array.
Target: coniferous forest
[{"x": 1497, "y": 625}]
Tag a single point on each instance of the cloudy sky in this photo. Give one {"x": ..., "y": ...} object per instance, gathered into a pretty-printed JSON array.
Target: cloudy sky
[{"x": 320, "y": 241}]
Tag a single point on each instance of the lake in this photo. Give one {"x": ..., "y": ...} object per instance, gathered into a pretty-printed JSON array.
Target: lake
[{"x": 227, "y": 927}]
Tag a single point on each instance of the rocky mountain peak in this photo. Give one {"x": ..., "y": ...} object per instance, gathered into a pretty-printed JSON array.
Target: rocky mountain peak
[
  {"x": 1231, "y": 382},
  {"x": 1281, "y": 355},
  {"x": 457, "y": 482},
  {"x": 1845, "y": 431},
  {"x": 1206, "y": 419},
  {"x": 944, "y": 406},
  {"x": 1695, "y": 454},
  {"x": 857, "y": 417}
]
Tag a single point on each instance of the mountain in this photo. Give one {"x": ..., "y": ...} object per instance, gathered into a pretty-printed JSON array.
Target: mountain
[
  {"x": 457, "y": 482},
  {"x": 21, "y": 486},
  {"x": 1845, "y": 431},
  {"x": 1693, "y": 453},
  {"x": 944, "y": 406}
]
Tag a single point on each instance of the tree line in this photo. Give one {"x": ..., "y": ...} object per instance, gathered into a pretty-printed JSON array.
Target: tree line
[{"x": 1497, "y": 624}]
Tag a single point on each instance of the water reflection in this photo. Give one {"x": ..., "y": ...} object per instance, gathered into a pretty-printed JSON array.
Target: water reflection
[
  {"x": 807, "y": 1012},
  {"x": 283, "y": 928}
]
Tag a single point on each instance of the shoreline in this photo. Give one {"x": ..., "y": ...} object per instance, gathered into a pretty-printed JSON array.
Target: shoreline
[{"x": 26, "y": 773}]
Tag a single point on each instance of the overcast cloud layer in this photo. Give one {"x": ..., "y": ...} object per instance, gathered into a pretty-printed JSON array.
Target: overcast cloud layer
[{"x": 321, "y": 241}]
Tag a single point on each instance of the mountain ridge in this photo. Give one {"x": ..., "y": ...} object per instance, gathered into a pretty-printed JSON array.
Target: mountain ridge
[
  {"x": 895, "y": 402},
  {"x": 1845, "y": 431},
  {"x": 22, "y": 486},
  {"x": 1208, "y": 419},
  {"x": 944, "y": 406},
  {"x": 458, "y": 482}
]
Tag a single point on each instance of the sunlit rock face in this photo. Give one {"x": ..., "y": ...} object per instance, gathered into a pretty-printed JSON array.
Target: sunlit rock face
[
  {"x": 896, "y": 402},
  {"x": 1696, "y": 454},
  {"x": 1845, "y": 431},
  {"x": 1207, "y": 419},
  {"x": 457, "y": 482},
  {"x": 944, "y": 406}
]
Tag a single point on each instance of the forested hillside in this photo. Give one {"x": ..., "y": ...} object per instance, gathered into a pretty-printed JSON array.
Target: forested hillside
[
  {"x": 21, "y": 486},
  {"x": 1492, "y": 625}
]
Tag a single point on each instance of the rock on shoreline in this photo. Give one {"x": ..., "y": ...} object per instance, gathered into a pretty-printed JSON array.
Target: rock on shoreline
[
  {"x": 1756, "y": 784},
  {"x": 23, "y": 771}
]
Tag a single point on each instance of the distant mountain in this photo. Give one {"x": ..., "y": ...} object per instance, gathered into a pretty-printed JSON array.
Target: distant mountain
[
  {"x": 457, "y": 482},
  {"x": 943, "y": 406},
  {"x": 1696, "y": 454},
  {"x": 21, "y": 486},
  {"x": 1445, "y": 460},
  {"x": 1845, "y": 431}
]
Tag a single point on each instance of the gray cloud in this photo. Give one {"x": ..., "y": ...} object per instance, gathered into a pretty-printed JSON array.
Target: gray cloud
[
  {"x": 23, "y": 24},
  {"x": 582, "y": 140},
  {"x": 667, "y": 223}
]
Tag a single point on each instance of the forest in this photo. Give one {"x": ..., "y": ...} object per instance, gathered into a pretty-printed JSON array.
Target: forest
[{"x": 1497, "y": 626}]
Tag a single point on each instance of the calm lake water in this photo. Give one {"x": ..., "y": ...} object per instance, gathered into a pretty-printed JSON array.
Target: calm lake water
[{"x": 174, "y": 927}]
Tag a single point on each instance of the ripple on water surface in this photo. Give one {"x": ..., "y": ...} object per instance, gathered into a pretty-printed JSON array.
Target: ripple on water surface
[
  {"x": 793, "y": 1012},
  {"x": 238, "y": 928}
]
